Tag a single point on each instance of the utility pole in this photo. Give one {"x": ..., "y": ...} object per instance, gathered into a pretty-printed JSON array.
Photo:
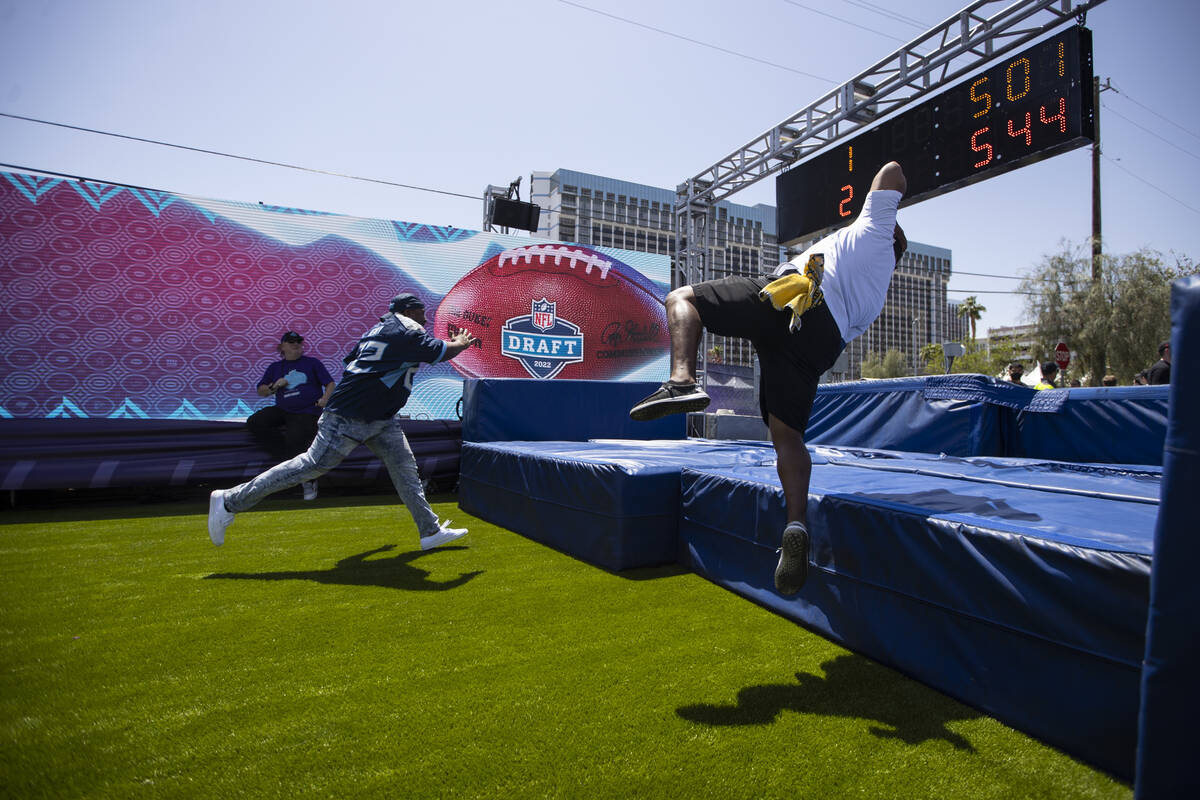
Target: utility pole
[
  {"x": 1099, "y": 359},
  {"x": 1096, "y": 249}
]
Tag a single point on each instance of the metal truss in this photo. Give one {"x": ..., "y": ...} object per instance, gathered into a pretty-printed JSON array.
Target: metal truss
[{"x": 959, "y": 45}]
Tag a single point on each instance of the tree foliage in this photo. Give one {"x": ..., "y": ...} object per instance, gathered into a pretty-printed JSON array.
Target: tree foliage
[
  {"x": 891, "y": 364},
  {"x": 972, "y": 309},
  {"x": 990, "y": 359},
  {"x": 1114, "y": 324}
]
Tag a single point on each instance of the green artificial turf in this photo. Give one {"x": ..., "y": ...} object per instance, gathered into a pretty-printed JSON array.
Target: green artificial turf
[{"x": 320, "y": 653}]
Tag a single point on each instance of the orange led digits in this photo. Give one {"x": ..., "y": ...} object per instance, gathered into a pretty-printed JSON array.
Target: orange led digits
[
  {"x": 1061, "y": 116},
  {"x": 984, "y": 98},
  {"x": 1009, "y": 87},
  {"x": 1028, "y": 133},
  {"x": 1029, "y": 104},
  {"x": 978, "y": 148}
]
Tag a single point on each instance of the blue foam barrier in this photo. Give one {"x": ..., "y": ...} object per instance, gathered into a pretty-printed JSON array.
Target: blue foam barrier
[
  {"x": 974, "y": 415},
  {"x": 513, "y": 409},
  {"x": 1170, "y": 696},
  {"x": 1016, "y": 587},
  {"x": 612, "y": 503}
]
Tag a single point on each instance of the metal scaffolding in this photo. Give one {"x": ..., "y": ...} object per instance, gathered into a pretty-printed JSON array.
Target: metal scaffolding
[{"x": 959, "y": 45}]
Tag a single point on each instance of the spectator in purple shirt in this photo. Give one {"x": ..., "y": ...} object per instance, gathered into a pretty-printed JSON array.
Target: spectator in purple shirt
[{"x": 302, "y": 386}]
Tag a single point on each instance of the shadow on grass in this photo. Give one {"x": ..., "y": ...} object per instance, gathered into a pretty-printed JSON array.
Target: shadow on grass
[
  {"x": 362, "y": 570},
  {"x": 853, "y": 686},
  {"x": 651, "y": 573}
]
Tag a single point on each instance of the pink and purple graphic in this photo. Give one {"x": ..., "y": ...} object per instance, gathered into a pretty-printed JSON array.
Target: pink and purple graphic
[{"x": 123, "y": 302}]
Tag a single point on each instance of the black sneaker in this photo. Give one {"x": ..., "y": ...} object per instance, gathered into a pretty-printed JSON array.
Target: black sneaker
[
  {"x": 672, "y": 398},
  {"x": 792, "y": 571}
]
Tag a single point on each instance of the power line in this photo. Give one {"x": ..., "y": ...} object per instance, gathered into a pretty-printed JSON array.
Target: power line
[
  {"x": 233, "y": 155},
  {"x": 1112, "y": 110},
  {"x": 718, "y": 48},
  {"x": 884, "y": 12},
  {"x": 1155, "y": 113},
  {"x": 1132, "y": 174},
  {"x": 988, "y": 275},
  {"x": 989, "y": 291},
  {"x": 845, "y": 21}
]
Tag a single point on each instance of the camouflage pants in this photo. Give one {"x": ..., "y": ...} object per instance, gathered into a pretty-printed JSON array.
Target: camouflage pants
[{"x": 337, "y": 436}]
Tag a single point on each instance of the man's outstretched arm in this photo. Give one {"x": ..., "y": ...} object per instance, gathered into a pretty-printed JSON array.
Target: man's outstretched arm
[{"x": 890, "y": 176}]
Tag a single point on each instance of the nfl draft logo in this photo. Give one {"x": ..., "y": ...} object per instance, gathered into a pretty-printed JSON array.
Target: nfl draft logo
[
  {"x": 543, "y": 314},
  {"x": 541, "y": 341}
]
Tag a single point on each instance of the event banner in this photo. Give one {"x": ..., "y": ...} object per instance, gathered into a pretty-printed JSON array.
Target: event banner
[{"x": 123, "y": 302}]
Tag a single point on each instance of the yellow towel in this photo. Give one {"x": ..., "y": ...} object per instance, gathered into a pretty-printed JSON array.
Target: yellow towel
[{"x": 797, "y": 292}]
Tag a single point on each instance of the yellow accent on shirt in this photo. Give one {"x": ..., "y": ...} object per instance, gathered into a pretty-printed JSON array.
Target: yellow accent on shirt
[{"x": 795, "y": 292}]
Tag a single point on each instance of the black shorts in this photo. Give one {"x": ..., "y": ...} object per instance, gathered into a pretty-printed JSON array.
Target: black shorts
[{"x": 791, "y": 363}]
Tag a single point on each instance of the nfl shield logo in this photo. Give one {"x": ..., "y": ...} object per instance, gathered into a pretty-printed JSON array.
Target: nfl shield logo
[{"x": 543, "y": 314}]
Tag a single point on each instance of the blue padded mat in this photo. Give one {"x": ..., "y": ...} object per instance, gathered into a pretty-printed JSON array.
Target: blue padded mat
[
  {"x": 974, "y": 415},
  {"x": 612, "y": 503},
  {"x": 517, "y": 409},
  {"x": 1170, "y": 696},
  {"x": 1017, "y": 586},
  {"x": 895, "y": 414}
]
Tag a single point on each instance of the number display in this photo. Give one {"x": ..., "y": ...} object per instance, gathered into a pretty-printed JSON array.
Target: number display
[{"x": 1024, "y": 108}]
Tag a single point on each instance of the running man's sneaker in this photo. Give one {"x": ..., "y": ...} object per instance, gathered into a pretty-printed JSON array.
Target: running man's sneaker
[
  {"x": 672, "y": 398},
  {"x": 445, "y": 534},
  {"x": 310, "y": 489},
  {"x": 218, "y": 517},
  {"x": 792, "y": 571}
]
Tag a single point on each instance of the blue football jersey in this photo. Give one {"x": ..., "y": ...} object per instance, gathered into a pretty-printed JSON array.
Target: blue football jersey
[{"x": 379, "y": 370}]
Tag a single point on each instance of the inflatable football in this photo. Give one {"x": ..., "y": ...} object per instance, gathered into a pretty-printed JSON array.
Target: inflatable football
[{"x": 554, "y": 311}]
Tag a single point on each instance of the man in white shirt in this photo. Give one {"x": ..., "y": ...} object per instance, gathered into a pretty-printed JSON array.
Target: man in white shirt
[{"x": 799, "y": 321}]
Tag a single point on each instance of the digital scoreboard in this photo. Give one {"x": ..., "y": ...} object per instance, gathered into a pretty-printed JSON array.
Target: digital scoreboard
[{"x": 1030, "y": 106}]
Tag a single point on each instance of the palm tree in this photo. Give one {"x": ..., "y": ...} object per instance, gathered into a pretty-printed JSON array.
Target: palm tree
[{"x": 972, "y": 310}]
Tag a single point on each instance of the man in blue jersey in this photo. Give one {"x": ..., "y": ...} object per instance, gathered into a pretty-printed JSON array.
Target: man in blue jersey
[
  {"x": 375, "y": 385},
  {"x": 799, "y": 320}
]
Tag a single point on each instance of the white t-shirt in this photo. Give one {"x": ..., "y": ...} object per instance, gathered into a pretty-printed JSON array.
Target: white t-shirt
[{"x": 859, "y": 261}]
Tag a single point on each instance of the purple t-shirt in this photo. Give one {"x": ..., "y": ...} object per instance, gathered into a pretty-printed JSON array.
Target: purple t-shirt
[{"x": 306, "y": 377}]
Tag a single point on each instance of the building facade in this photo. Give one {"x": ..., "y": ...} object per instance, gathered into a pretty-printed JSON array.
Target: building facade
[{"x": 596, "y": 210}]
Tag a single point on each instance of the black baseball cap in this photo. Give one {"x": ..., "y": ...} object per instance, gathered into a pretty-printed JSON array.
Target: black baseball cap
[
  {"x": 403, "y": 302},
  {"x": 291, "y": 336}
]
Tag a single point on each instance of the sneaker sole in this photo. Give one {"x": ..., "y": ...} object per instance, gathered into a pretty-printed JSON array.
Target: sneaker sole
[
  {"x": 673, "y": 405},
  {"x": 792, "y": 571},
  {"x": 439, "y": 539}
]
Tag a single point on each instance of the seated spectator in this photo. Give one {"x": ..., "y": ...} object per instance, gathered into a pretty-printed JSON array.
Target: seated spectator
[
  {"x": 1015, "y": 371},
  {"x": 1109, "y": 380},
  {"x": 301, "y": 386}
]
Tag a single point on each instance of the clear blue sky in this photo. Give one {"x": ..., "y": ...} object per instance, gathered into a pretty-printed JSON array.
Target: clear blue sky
[{"x": 456, "y": 95}]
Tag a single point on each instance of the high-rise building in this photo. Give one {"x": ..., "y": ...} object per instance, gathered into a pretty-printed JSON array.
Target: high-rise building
[
  {"x": 596, "y": 210},
  {"x": 591, "y": 209}
]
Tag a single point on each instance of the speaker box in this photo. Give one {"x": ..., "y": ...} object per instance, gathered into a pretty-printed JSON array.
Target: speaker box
[{"x": 515, "y": 214}]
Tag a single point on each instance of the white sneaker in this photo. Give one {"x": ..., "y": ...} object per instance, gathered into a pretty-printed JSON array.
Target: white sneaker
[
  {"x": 310, "y": 489},
  {"x": 445, "y": 534},
  {"x": 218, "y": 517}
]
